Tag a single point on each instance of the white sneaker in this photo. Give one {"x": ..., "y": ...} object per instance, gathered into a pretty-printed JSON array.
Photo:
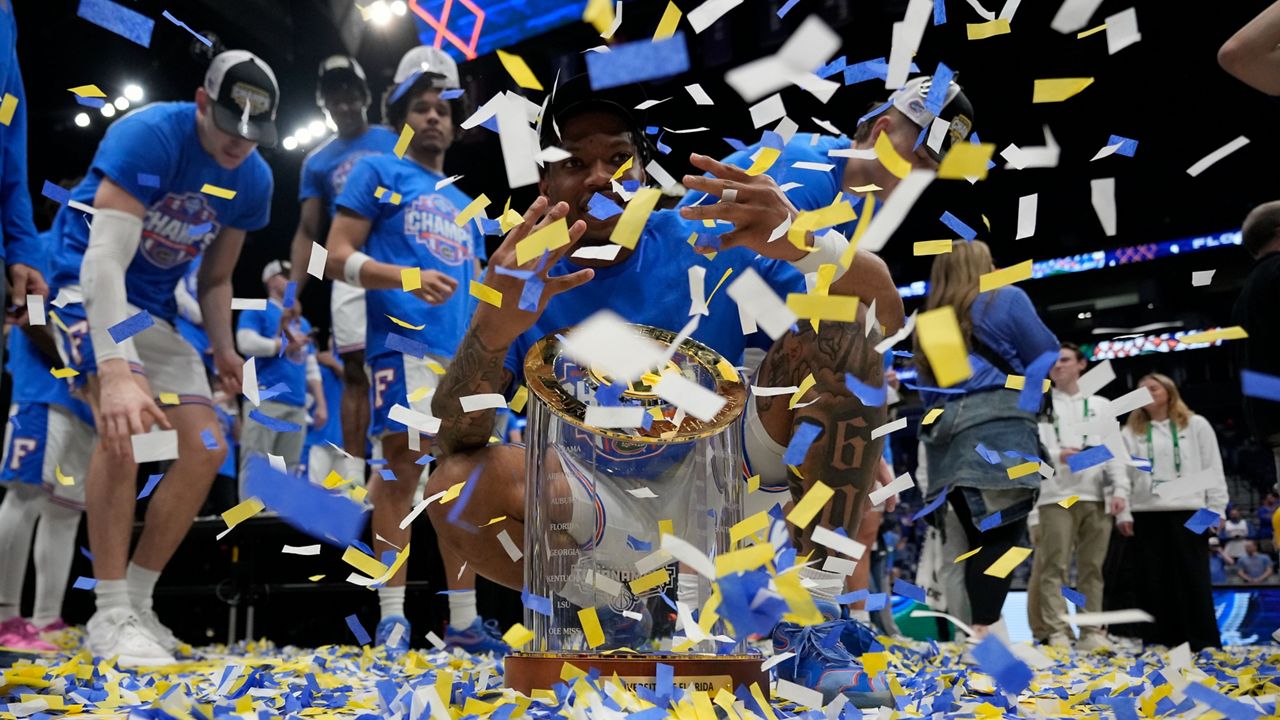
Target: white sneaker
[
  {"x": 1095, "y": 642},
  {"x": 119, "y": 634},
  {"x": 1059, "y": 640},
  {"x": 156, "y": 629}
]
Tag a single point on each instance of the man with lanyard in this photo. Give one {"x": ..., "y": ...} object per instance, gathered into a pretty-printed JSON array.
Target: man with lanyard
[
  {"x": 600, "y": 136},
  {"x": 1075, "y": 509},
  {"x": 343, "y": 93},
  {"x": 418, "y": 267},
  {"x": 168, "y": 183}
]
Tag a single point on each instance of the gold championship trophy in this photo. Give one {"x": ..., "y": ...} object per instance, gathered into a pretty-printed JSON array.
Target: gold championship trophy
[{"x": 602, "y": 593}]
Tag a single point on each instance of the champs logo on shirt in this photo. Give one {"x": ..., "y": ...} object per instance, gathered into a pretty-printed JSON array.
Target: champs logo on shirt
[
  {"x": 338, "y": 178},
  {"x": 429, "y": 220},
  {"x": 167, "y": 241}
]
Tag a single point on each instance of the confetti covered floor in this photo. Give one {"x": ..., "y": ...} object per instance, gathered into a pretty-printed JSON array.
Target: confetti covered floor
[{"x": 344, "y": 681}]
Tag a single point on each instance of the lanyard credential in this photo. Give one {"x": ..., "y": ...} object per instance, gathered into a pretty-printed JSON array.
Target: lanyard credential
[
  {"x": 1177, "y": 452},
  {"x": 1084, "y": 439}
]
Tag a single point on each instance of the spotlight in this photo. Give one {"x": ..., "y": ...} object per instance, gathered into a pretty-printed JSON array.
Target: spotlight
[
  {"x": 303, "y": 135},
  {"x": 82, "y": 119},
  {"x": 378, "y": 12},
  {"x": 107, "y": 110},
  {"x": 290, "y": 143},
  {"x": 399, "y": 8},
  {"x": 121, "y": 103},
  {"x": 133, "y": 92},
  {"x": 317, "y": 128}
]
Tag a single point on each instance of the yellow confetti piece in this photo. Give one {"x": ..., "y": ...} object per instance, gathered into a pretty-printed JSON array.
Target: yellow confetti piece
[
  {"x": 62, "y": 479},
  {"x": 748, "y": 558},
  {"x": 749, "y": 526},
  {"x": 242, "y": 512},
  {"x": 519, "y": 71},
  {"x": 649, "y": 582},
  {"x": 667, "y": 25},
  {"x": 452, "y": 492},
  {"x": 510, "y": 218},
  {"x": 943, "y": 345},
  {"x": 889, "y": 157},
  {"x": 868, "y": 209},
  {"x": 7, "y": 107},
  {"x": 517, "y": 636},
  {"x": 762, "y": 702},
  {"x": 484, "y": 293},
  {"x": 1017, "y": 382},
  {"x": 966, "y": 160},
  {"x": 551, "y": 237},
  {"x": 753, "y": 483},
  {"x": 217, "y": 192},
  {"x": 623, "y": 168},
  {"x": 1230, "y": 333},
  {"x": 395, "y": 198},
  {"x": 805, "y": 386},
  {"x": 356, "y": 558},
  {"x": 875, "y": 662},
  {"x": 1069, "y": 501},
  {"x": 837, "y": 213},
  {"x": 402, "y": 144},
  {"x": 1004, "y": 276},
  {"x": 316, "y": 578},
  {"x": 931, "y": 247},
  {"x": 991, "y": 28},
  {"x": 1012, "y": 558},
  {"x": 965, "y": 556},
  {"x": 54, "y": 701},
  {"x": 1091, "y": 31},
  {"x": 666, "y": 527},
  {"x": 817, "y": 497},
  {"x": 870, "y": 187},
  {"x": 931, "y": 416},
  {"x": 1049, "y": 90},
  {"x": 332, "y": 480},
  {"x": 495, "y": 521},
  {"x": 358, "y": 493},
  {"x": 838, "y": 308},
  {"x": 472, "y": 209},
  {"x": 435, "y": 367},
  {"x": 600, "y": 14},
  {"x": 570, "y": 672},
  {"x": 765, "y": 159},
  {"x": 591, "y": 627},
  {"x": 1026, "y": 468},
  {"x": 405, "y": 325},
  {"x": 629, "y": 226},
  {"x": 88, "y": 91}
]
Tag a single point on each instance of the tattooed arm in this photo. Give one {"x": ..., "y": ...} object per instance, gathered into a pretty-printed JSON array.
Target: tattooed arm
[{"x": 477, "y": 368}]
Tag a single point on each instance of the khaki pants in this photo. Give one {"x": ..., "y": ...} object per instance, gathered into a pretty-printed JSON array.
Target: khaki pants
[
  {"x": 1082, "y": 531},
  {"x": 1039, "y": 630}
]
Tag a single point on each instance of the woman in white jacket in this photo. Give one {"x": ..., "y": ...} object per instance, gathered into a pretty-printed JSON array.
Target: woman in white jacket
[{"x": 1170, "y": 562}]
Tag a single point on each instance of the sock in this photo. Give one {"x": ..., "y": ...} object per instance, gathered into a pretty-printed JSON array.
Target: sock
[
  {"x": 55, "y": 548},
  {"x": 112, "y": 595},
  {"x": 391, "y": 601},
  {"x": 687, "y": 590},
  {"x": 142, "y": 583},
  {"x": 17, "y": 520},
  {"x": 462, "y": 609},
  {"x": 352, "y": 469}
]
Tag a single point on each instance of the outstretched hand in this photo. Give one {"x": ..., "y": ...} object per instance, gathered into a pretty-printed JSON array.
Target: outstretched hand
[{"x": 755, "y": 204}]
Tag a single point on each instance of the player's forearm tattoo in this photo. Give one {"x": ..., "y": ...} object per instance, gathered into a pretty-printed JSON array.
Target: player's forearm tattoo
[{"x": 476, "y": 369}]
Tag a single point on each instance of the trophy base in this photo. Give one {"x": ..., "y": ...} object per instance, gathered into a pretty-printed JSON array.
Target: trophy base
[{"x": 527, "y": 672}]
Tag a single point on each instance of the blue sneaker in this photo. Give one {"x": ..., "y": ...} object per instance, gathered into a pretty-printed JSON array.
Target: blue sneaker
[
  {"x": 857, "y": 637},
  {"x": 479, "y": 638},
  {"x": 622, "y": 632},
  {"x": 822, "y": 663},
  {"x": 385, "y": 635}
]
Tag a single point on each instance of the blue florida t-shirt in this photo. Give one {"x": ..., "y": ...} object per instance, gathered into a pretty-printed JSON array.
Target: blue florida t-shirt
[
  {"x": 280, "y": 369},
  {"x": 155, "y": 154},
  {"x": 326, "y": 169},
  {"x": 419, "y": 232},
  {"x": 331, "y": 431},
  {"x": 651, "y": 287},
  {"x": 33, "y": 383}
]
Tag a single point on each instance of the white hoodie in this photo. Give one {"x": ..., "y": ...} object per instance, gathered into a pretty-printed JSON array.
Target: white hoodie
[
  {"x": 1095, "y": 484},
  {"x": 1201, "y": 482}
]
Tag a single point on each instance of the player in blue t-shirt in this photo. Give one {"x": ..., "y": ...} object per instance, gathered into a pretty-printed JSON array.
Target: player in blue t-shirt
[
  {"x": 397, "y": 215},
  {"x": 168, "y": 183},
  {"x": 285, "y": 363},
  {"x": 343, "y": 94}
]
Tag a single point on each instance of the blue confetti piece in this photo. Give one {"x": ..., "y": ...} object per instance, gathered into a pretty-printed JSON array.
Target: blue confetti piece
[
  {"x": 888, "y": 104},
  {"x": 1128, "y": 146},
  {"x": 610, "y": 395},
  {"x": 991, "y": 456},
  {"x": 601, "y": 207},
  {"x": 169, "y": 16},
  {"x": 129, "y": 327},
  {"x": 273, "y": 391},
  {"x": 536, "y": 603},
  {"x": 1124, "y": 707},
  {"x": 663, "y": 148},
  {"x": 451, "y": 94},
  {"x": 148, "y": 180},
  {"x": 531, "y": 294},
  {"x": 1087, "y": 458},
  {"x": 638, "y": 545},
  {"x": 271, "y": 423},
  {"x": 210, "y": 442},
  {"x": 801, "y": 439},
  {"x": 387, "y": 474},
  {"x": 362, "y": 636},
  {"x": 1202, "y": 520},
  {"x": 290, "y": 291},
  {"x": 908, "y": 590},
  {"x": 1011, "y": 674},
  {"x": 85, "y": 551},
  {"x": 201, "y": 229},
  {"x": 940, "y": 391},
  {"x": 638, "y": 61},
  {"x": 876, "y": 601},
  {"x": 934, "y": 504},
  {"x": 782, "y": 11},
  {"x": 402, "y": 344},
  {"x": 937, "y": 96},
  {"x": 1032, "y": 395},
  {"x": 489, "y": 226},
  {"x": 515, "y": 273},
  {"x": 735, "y": 143},
  {"x": 307, "y": 507},
  {"x": 56, "y": 193},
  {"x": 990, "y": 522},
  {"x": 93, "y": 102},
  {"x": 870, "y": 396},
  {"x": 652, "y": 129},
  {"x": 118, "y": 19},
  {"x": 424, "y": 459},
  {"x": 665, "y": 675},
  {"x": 877, "y": 69},
  {"x": 1075, "y": 597},
  {"x": 958, "y": 226},
  {"x": 852, "y": 597},
  {"x": 1234, "y": 709},
  {"x": 939, "y": 12},
  {"x": 919, "y": 139},
  {"x": 464, "y": 497},
  {"x": 84, "y": 583},
  {"x": 1260, "y": 385},
  {"x": 833, "y": 67}
]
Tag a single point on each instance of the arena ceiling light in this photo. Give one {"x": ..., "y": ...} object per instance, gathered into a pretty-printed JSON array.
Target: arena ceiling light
[
  {"x": 133, "y": 92},
  {"x": 121, "y": 103},
  {"x": 290, "y": 143},
  {"x": 82, "y": 119}
]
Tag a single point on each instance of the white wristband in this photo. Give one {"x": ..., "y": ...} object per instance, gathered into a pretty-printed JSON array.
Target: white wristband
[
  {"x": 827, "y": 249},
  {"x": 351, "y": 268}
]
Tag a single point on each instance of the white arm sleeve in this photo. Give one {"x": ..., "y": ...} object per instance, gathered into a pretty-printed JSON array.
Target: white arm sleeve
[
  {"x": 313, "y": 368},
  {"x": 251, "y": 343},
  {"x": 827, "y": 249},
  {"x": 113, "y": 240}
]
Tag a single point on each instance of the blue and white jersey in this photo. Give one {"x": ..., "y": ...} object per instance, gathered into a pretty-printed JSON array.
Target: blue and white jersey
[{"x": 326, "y": 169}]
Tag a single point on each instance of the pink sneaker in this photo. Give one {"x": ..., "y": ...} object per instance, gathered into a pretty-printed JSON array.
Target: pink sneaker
[
  {"x": 19, "y": 634},
  {"x": 54, "y": 626}
]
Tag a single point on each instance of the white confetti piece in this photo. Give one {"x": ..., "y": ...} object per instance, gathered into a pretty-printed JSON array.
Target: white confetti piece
[
  {"x": 1200, "y": 278},
  {"x": 798, "y": 694},
  {"x": 906, "y": 37},
  {"x": 35, "y": 310},
  {"x": 902, "y": 483},
  {"x": 447, "y": 181},
  {"x": 315, "y": 264},
  {"x": 1073, "y": 15},
  {"x": 1122, "y": 30},
  {"x": 482, "y": 401},
  {"x": 885, "y": 429},
  {"x": 248, "y": 303},
  {"x": 301, "y": 550},
  {"x": 1129, "y": 402},
  {"x": 907, "y": 328},
  {"x": 421, "y": 422},
  {"x": 435, "y": 641},
  {"x": 155, "y": 446},
  {"x": 1102, "y": 193},
  {"x": 597, "y": 252},
  {"x": 701, "y": 17},
  {"x": 689, "y": 555},
  {"x": 767, "y": 110},
  {"x": 699, "y": 95},
  {"x": 895, "y": 209},
  {"x": 513, "y": 552},
  {"x": 1027, "y": 207},
  {"x": 606, "y": 341},
  {"x": 762, "y": 304},
  {"x": 1112, "y": 617},
  {"x": 1208, "y": 160},
  {"x": 697, "y": 290},
  {"x": 620, "y": 416},
  {"x": 1098, "y": 377},
  {"x": 767, "y": 664},
  {"x": 832, "y": 540},
  {"x": 689, "y": 396}
]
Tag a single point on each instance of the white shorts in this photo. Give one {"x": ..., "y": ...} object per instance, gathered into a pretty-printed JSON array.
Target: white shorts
[
  {"x": 44, "y": 440},
  {"x": 763, "y": 456},
  {"x": 347, "y": 310}
]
